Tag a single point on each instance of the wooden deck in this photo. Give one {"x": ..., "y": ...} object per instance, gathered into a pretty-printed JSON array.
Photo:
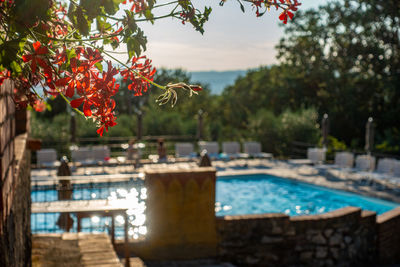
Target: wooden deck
[
  {"x": 89, "y": 208},
  {"x": 97, "y": 250},
  {"x": 73, "y": 249}
]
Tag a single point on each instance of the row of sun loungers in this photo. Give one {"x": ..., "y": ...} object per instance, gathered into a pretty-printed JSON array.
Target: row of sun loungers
[
  {"x": 84, "y": 155},
  {"x": 366, "y": 165},
  {"x": 101, "y": 154},
  {"x": 90, "y": 155},
  {"x": 230, "y": 150}
]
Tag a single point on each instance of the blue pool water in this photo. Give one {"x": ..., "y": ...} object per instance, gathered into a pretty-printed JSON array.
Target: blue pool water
[
  {"x": 256, "y": 194},
  {"x": 235, "y": 195}
]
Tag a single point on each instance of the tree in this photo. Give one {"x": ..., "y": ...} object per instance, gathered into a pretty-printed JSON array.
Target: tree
[
  {"x": 61, "y": 46},
  {"x": 347, "y": 64}
]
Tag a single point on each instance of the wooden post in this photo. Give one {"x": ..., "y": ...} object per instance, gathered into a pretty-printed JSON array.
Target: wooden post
[
  {"x": 139, "y": 125},
  {"x": 79, "y": 222},
  {"x": 113, "y": 229},
  {"x": 127, "y": 254}
]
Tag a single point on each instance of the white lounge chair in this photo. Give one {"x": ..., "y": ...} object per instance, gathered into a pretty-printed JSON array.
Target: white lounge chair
[
  {"x": 344, "y": 159},
  {"x": 385, "y": 165},
  {"x": 253, "y": 149},
  {"x": 230, "y": 149},
  {"x": 100, "y": 153},
  {"x": 385, "y": 171},
  {"x": 396, "y": 169},
  {"x": 316, "y": 155},
  {"x": 212, "y": 148},
  {"x": 396, "y": 172},
  {"x": 365, "y": 163},
  {"x": 82, "y": 155},
  {"x": 184, "y": 150},
  {"x": 47, "y": 158}
]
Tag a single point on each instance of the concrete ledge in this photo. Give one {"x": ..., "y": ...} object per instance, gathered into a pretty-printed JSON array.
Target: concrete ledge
[
  {"x": 180, "y": 171},
  {"x": 390, "y": 215},
  {"x": 253, "y": 217},
  {"x": 352, "y": 212}
]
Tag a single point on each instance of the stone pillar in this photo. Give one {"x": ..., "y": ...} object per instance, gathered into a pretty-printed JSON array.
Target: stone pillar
[{"x": 180, "y": 215}]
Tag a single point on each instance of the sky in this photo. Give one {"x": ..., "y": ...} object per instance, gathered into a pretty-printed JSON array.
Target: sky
[{"x": 232, "y": 40}]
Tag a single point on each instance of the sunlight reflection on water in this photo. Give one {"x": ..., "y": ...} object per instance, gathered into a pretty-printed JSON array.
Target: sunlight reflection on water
[
  {"x": 134, "y": 193},
  {"x": 136, "y": 212}
]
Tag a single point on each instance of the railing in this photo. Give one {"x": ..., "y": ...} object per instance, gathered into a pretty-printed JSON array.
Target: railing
[{"x": 84, "y": 188}]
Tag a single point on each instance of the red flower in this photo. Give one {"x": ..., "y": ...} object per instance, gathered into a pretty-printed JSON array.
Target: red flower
[
  {"x": 39, "y": 106},
  {"x": 284, "y": 16},
  {"x": 137, "y": 83},
  {"x": 35, "y": 57},
  {"x": 77, "y": 102},
  {"x": 4, "y": 76}
]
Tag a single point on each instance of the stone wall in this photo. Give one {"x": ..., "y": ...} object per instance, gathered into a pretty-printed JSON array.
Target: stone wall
[
  {"x": 7, "y": 146},
  {"x": 345, "y": 237},
  {"x": 15, "y": 235},
  {"x": 388, "y": 243}
]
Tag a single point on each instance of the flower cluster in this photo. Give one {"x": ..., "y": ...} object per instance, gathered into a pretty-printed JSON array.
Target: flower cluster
[{"x": 139, "y": 75}]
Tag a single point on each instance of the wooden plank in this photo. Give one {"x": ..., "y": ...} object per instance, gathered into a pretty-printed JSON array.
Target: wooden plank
[
  {"x": 103, "y": 256},
  {"x": 101, "y": 206}
]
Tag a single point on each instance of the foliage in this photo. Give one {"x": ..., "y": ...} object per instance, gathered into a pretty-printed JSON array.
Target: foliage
[
  {"x": 334, "y": 145},
  {"x": 63, "y": 46},
  {"x": 277, "y": 132},
  {"x": 346, "y": 64}
]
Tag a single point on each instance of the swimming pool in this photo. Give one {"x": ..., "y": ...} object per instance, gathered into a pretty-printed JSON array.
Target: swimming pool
[
  {"x": 235, "y": 195},
  {"x": 256, "y": 194}
]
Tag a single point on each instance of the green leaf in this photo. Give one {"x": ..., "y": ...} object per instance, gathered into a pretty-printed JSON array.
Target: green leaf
[
  {"x": 48, "y": 106},
  {"x": 111, "y": 6},
  {"x": 92, "y": 8},
  {"x": 83, "y": 24},
  {"x": 102, "y": 24},
  {"x": 99, "y": 66},
  {"x": 16, "y": 68},
  {"x": 72, "y": 14},
  {"x": 149, "y": 15}
]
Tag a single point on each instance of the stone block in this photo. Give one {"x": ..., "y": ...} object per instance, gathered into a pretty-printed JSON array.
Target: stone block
[
  {"x": 276, "y": 230},
  {"x": 335, "y": 253},
  {"x": 3, "y": 109},
  {"x": 328, "y": 232},
  {"x": 6, "y": 160},
  {"x": 252, "y": 260},
  {"x": 319, "y": 239},
  {"x": 348, "y": 239},
  {"x": 5, "y": 131},
  {"x": 10, "y": 105},
  {"x": 321, "y": 252},
  {"x": 335, "y": 240},
  {"x": 306, "y": 256},
  {"x": 271, "y": 239}
]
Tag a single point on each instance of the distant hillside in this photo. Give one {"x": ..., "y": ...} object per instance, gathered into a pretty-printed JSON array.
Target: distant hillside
[{"x": 217, "y": 80}]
